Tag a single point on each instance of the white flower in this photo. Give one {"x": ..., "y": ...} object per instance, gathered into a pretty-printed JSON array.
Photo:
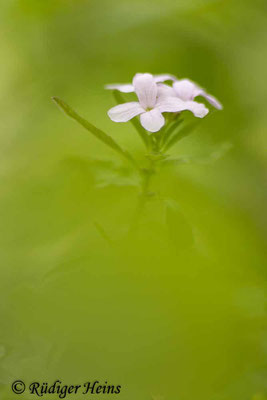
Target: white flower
[
  {"x": 129, "y": 87},
  {"x": 153, "y": 101},
  {"x": 187, "y": 90}
]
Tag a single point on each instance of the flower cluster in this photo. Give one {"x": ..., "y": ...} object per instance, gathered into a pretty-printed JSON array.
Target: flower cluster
[{"x": 155, "y": 98}]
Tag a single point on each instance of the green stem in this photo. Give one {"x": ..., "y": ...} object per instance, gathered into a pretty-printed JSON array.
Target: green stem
[{"x": 146, "y": 176}]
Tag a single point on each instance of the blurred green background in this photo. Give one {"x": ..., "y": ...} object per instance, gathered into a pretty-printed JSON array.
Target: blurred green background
[{"x": 178, "y": 310}]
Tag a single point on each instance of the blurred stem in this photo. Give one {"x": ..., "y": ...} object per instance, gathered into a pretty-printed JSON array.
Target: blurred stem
[{"x": 146, "y": 177}]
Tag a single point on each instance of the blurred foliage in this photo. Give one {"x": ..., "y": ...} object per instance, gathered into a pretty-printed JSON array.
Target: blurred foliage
[{"x": 177, "y": 307}]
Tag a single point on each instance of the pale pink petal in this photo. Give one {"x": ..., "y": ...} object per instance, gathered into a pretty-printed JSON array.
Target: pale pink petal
[
  {"x": 211, "y": 99},
  {"x": 185, "y": 89},
  {"x": 174, "y": 104},
  {"x": 146, "y": 89},
  {"x": 164, "y": 77},
  {"x": 165, "y": 91},
  {"x": 152, "y": 120},
  {"x": 124, "y": 88},
  {"x": 198, "y": 109},
  {"x": 125, "y": 112},
  {"x": 171, "y": 104}
]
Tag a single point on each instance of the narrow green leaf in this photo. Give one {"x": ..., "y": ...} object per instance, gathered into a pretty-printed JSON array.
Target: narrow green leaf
[
  {"x": 140, "y": 130},
  {"x": 166, "y": 135},
  {"x": 185, "y": 131},
  {"x": 99, "y": 134},
  {"x": 176, "y": 161}
]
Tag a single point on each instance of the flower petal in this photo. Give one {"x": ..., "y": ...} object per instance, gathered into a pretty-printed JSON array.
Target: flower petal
[
  {"x": 124, "y": 88},
  {"x": 186, "y": 90},
  {"x": 211, "y": 99},
  {"x": 152, "y": 120},
  {"x": 165, "y": 91},
  {"x": 198, "y": 109},
  {"x": 164, "y": 77},
  {"x": 171, "y": 104},
  {"x": 146, "y": 89},
  {"x": 174, "y": 104},
  {"x": 125, "y": 112}
]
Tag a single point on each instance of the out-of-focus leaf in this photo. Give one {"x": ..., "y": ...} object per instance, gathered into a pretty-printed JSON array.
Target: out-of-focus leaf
[
  {"x": 156, "y": 156},
  {"x": 89, "y": 164},
  {"x": 105, "y": 172},
  {"x": 179, "y": 229},
  {"x": 176, "y": 161},
  {"x": 220, "y": 152},
  {"x": 116, "y": 178},
  {"x": 183, "y": 132},
  {"x": 135, "y": 122},
  {"x": 95, "y": 131},
  {"x": 216, "y": 155},
  {"x": 167, "y": 135}
]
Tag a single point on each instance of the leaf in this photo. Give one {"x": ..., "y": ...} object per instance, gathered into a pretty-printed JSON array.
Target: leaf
[
  {"x": 183, "y": 132},
  {"x": 116, "y": 177},
  {"x": 156, "y": 156},
  {"x": 180, "y": 231},
  {"x": 89, "y": 164},
  {"x": 170, "y": 131},
  {"x": 99, "y": 134},
  {"x": 135, "y": 122},
  {"x": 221, "y": 150},
  {"x": 176, "y": 161},
  {"x": 105, "y": 172}
]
